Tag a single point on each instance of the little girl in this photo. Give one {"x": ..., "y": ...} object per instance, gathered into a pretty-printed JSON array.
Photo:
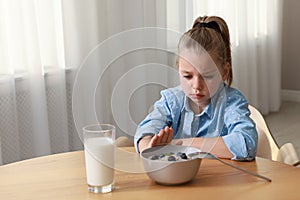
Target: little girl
[{"x": 204, "y": 111}]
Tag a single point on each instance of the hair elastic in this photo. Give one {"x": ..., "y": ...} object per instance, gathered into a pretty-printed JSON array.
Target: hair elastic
[{"x": 213, "y": 25}]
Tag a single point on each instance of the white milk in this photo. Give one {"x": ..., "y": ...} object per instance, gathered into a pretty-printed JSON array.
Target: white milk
[{"x": 99, "y": 156}]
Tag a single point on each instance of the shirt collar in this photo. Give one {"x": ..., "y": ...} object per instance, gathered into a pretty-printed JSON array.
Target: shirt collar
[{"x": 187, "y": 108}]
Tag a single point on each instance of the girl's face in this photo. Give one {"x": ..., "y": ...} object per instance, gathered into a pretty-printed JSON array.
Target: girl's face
[{"x": 200, "y": 78}]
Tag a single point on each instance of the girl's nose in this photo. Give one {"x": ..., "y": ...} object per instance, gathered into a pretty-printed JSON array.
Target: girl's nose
[{"x": 198, "y": 83}]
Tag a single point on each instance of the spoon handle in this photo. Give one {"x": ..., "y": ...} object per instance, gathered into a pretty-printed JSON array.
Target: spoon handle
[
  {"x": 241, "y": 169},
  {"x": 204, "y": 155}
]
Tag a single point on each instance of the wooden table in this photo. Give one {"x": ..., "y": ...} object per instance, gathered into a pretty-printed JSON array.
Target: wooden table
[{"x": 62, "y": 176}]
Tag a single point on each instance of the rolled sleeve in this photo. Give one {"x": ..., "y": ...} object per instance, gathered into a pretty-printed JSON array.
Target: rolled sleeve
[
  {"x": 236, "y": 145},
  {"x": 242, "y": 135}
]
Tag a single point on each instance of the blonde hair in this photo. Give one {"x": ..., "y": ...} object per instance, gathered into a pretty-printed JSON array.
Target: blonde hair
[{"x": 209, "y": 33}]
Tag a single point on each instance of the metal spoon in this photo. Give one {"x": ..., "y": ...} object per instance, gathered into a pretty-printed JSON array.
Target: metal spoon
[{"x": 211, "y": 156}]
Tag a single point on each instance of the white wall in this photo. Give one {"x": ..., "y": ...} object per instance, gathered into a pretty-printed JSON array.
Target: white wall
[{"x": 291, "y": 45}]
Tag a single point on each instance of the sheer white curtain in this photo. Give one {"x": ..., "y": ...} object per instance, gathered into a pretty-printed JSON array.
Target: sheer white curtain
[
  {"x": 44, "y": 45},
  {"x": 32, "y": 80}
]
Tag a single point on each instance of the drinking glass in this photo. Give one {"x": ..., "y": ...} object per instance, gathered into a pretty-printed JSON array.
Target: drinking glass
[{"x": 99, "y": 157}]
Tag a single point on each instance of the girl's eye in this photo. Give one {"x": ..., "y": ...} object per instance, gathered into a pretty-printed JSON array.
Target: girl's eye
[
  {"x": 187, "y": 76},
  {"x": 208, "y": 77}
]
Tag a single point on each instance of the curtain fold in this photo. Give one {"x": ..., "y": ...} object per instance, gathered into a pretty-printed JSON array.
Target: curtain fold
[
  {"x": 44, "y": 45},
  {"x": 32, "y": 99}
]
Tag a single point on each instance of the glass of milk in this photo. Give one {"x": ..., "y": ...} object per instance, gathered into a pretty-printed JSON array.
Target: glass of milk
[{"x": 99, "y": 157}]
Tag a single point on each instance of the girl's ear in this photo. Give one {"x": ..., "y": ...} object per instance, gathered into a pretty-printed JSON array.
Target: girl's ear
[{"x": 226, "y": 71}]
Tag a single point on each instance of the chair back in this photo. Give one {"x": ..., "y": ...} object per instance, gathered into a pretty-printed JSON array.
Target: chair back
[
  {"x": 267, "y": 146},
  {"x": 288, "y": 154},
  {"x": 124, "y": 141}
]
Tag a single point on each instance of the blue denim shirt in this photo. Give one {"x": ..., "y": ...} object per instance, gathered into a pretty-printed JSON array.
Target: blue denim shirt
[{"x": 227, "y": 116}]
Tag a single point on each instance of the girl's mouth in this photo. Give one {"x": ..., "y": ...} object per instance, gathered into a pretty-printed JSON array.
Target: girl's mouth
[{"x": 197, "y": 96}]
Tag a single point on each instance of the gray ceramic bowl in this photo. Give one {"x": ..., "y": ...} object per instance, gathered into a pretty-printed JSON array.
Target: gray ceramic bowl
[{"x": 170, "y": 172}]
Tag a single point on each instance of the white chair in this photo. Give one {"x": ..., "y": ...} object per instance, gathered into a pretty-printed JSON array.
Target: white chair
[
  {"x": 124, "y": 141},
  {"x": 267, "y": 146}
]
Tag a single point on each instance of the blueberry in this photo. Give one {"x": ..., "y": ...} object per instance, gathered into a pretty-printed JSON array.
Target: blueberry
[
  {"x": 171, "y": 158},
  {"x": 161, "y": 156},
  {"x": 155, "y": 157},
  {"x": 183, "y": 156}
]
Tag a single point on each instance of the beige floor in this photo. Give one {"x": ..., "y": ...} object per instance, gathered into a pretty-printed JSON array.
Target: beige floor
[{"x": 285, "y": 124}]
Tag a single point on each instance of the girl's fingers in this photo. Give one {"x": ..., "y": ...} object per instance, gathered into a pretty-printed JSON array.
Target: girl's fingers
[
  {"x": 160, "y": 136},
  {"x": 170, "y": 135},
  {"x": 165, "y": 135},
  {"x": 153, "y": 141}
]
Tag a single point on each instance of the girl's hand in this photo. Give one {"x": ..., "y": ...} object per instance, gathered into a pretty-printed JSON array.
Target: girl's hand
[{"x": 164, "y": 137}]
